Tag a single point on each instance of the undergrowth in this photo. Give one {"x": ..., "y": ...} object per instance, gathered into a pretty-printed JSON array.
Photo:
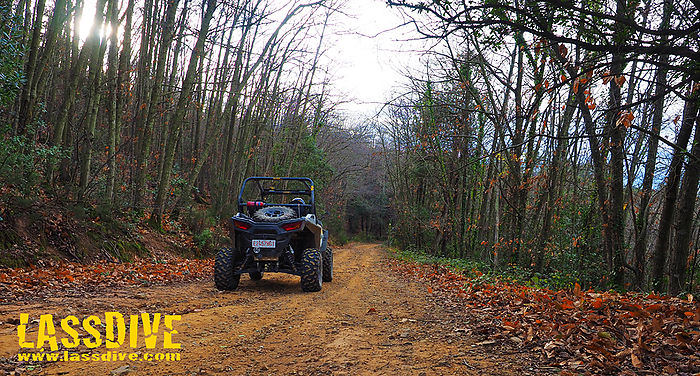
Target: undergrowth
[{"x": 481, "y": 272}]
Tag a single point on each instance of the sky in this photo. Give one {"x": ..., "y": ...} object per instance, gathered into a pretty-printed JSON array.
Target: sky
[{"x": 369, "y": 53}]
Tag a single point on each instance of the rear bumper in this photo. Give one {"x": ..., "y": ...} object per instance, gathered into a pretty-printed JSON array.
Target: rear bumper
[
  {"x": 248, "y": 230},
  {"x": 279, "y": 258}
]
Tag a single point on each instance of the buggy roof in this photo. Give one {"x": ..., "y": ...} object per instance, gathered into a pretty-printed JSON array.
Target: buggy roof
[{"x": 306, "y": 188}]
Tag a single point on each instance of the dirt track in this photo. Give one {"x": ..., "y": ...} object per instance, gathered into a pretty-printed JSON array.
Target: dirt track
[{"x": 367, "y": 321}]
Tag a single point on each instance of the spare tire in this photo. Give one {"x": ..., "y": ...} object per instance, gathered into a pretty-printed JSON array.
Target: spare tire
[{"x": 274, "y": 214}]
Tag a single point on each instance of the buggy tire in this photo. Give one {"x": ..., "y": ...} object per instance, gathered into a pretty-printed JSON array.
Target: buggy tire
[
  {"x": 327, "y": 264},
  {"x": 311, "y": 270},
  {"x": 274, "y": 214},
  {"x": 255, "y": 276},
  {"x": 224, "y": 278}
]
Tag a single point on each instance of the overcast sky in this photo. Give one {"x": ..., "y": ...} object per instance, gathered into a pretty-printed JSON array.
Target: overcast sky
[{"x": 368, "y": 54}]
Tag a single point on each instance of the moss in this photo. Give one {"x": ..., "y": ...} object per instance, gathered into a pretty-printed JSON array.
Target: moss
[
  {"x": 116, "y": 250},
  {"x": 7, "y": 260},
  {"x": 95, "y": 235},
  {"x": 124, "y": 250},
  {"x": 136, "y": 248},
  {"x": 8, "y": 239}
]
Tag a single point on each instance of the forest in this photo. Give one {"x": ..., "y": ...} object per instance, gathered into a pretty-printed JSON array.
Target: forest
[
  {"x": 553, "y": 139},
  {"x": 558, "y": 141},
  {"x": 176, "y": 107}
]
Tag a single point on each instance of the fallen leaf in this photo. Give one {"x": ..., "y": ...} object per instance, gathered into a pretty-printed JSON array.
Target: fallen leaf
[
  {"x": 636, "y": 362},
  {"x": 577, "y": 289}
]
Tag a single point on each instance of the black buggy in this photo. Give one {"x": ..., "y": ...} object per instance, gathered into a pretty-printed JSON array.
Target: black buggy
[{"x": 276, "y": 230}]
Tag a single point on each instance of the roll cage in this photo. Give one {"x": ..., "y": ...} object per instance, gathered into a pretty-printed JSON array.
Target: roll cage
[{"x": 266, "y": 191}]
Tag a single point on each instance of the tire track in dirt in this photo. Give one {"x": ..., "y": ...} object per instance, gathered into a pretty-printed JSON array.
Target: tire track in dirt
[{"x": 368, "y": 321}]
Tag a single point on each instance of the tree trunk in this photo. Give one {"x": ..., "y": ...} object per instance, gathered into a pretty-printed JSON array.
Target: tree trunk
[
  {"x": 26, "y": 108},
  {"x": 113, "y": 85},
  {"x": 690, "y": 112},
  {"x": 91, "y": 45},
  {"x": 178, "y": 116},
  {"x": 36, "y": 79},
  {"x": 154, "y": 100},
  {"x": 684, "y": 215},
  {"x": 640, "y": 246},
  {"x": 94, "y": 103}
]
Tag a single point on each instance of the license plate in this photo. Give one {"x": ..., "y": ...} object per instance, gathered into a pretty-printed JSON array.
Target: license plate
[{"x": 263, "y": 244}]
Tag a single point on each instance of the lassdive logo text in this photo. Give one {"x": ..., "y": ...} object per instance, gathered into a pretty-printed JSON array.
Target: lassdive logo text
[
  {"x": 156, "y": 331},
  {"x": 109, "y": 356}
]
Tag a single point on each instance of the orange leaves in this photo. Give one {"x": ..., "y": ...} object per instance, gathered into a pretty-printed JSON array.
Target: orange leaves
[
  {"x": 625, "y": 119},
  {"x": 620, "y": 80},
  {"x": 607, "y": 77},
  {"x": 597, "y": 304},
  {"x": 589, "y": 100},
  {"x": 60, "y": 275},
  {"x": 511, "y": 325},
  {"x": 575, "y": 241},
  {"x": 577, "y": 290},
  {"x": 584, "y": 331},
  {"x": 567, "y": 304}
]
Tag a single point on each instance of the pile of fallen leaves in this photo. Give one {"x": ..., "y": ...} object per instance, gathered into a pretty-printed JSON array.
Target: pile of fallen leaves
[
  {"x": 580, "y": 331},
  {"x": 17, "y": 282}
]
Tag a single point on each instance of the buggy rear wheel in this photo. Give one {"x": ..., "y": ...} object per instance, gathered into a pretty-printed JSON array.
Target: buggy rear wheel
[
  {"x": 224, "y": 279},
  {"x": 327, "y": 264},
  {"x": 311, "y": 270}
]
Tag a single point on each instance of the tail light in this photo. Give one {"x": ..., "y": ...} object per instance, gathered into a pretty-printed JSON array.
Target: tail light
[
  {"x": 292, "y": 226},
  {"x": 241, "y": 225}
]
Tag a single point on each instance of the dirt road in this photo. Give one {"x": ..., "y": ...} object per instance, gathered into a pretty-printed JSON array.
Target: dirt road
[{"x": 368, "y": 321}]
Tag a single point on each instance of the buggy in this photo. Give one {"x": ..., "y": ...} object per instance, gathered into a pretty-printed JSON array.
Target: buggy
[{"x": 276, "y": 230}]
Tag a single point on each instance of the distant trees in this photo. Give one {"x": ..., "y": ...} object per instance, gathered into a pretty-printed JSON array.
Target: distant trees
[{"x": 537, "y": 137}]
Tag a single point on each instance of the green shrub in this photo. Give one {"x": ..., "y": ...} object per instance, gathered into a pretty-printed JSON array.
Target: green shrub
[
  {"x": 11, "y": 75},
  {"x": 203, "y": 239},
  {"x": 23, "y": 162}
]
